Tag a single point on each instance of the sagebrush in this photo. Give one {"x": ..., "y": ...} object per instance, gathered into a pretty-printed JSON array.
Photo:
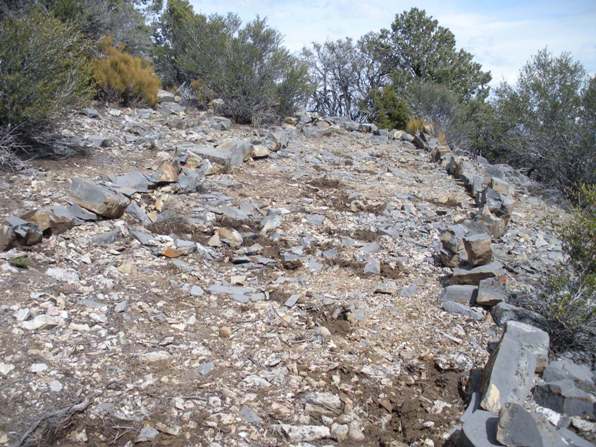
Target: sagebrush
[
  {"x": 43, "y": 72},
  {"x": 246, "y": 66},
  {"x": 569, "y": 301},
  {"x": 124, "y": 78}
]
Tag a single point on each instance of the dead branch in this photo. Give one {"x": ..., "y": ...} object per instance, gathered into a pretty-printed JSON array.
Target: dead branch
[{"x": 52, "y": 419}]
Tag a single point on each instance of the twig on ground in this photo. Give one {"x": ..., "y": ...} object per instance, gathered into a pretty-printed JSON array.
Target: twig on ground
[{"x": 54, "y": 418}]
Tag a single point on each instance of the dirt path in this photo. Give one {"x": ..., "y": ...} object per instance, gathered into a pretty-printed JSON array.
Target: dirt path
[{"x": 308, "y": 348}]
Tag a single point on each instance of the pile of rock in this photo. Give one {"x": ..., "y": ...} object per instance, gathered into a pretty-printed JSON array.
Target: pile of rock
[
  {"x": 114, "y": 196},
  {"x": 513, "y": 406},
  {"x": 510, "y": 404},
  {"x": 313, "y": 125}
]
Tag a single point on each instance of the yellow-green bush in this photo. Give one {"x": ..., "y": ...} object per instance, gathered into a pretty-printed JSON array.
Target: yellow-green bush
[
  {"x": 124, "y": 78},
  {"x": 415, "y": 125}
]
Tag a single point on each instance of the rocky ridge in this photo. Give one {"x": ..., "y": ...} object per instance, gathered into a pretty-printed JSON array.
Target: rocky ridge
[{"x": 203, "y": 283}]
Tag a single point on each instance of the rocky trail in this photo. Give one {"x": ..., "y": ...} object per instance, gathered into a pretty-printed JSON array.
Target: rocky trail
[{"x": 190, "y": 282}]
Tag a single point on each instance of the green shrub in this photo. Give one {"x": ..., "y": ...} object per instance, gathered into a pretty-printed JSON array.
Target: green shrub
[
  {"x": 545, "y": 122},
  {"x": 43, "y": 72},
  {"x": 390, "y": 112},
  {"x": 579, "y": 235},
  {"x": 246, "y": 66},
  {"x": 97, "y": 18},
  {"x": 569, "y": 303},
  {"x": 124, "y": 78}
]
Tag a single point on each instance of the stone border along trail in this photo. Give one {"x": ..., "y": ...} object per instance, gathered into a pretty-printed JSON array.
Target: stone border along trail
[
  {"x": 289, "y": 324},
  {"x": 507, "y": 406}
]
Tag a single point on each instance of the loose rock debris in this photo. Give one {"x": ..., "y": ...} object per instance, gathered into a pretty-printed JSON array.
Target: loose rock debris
[{"x": 224, "y": 285}]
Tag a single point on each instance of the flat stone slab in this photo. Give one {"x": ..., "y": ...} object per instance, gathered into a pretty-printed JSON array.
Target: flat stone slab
[
  {"x": 480, "y": 430},
  {"x": 564, "y": 368},
  {"x": 461, "y": 309},
  {"x": 477, "y": 274},
  {"x": 463, "y": 294},
  {"x": 504, "y": 312},
  {"x": 490, "y": 292},
  {"x": 98, "y": 199},
  {"x": 509, "y": 374},
  {"x": 517, "y": 427},
  {"x": 131, "y": 183},
  {"x": 76, "y": 212},
  {"x": 239, "y": 294},
  {"x": 563, "y": 396},
  {"x": 212, "y": 154}
]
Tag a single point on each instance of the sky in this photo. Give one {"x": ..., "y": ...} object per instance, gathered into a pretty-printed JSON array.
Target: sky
[{"x": 502, "y": 35}]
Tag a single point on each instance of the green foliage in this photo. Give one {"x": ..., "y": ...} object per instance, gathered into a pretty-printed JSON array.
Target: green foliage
[
  {"x": 579, "y": 235},
  {"x": 546, "y": 122},
  {"x": 124, "y": 78},
  {"x": 246, "y": 66},
  {"x": 191, "y": 46},
  {"x": 21, "y": 262},
  {"x": 43, "y": 71},
  {"x": 569, "y": 303},
  {"x": 390, "y": 112},
  {"x": 120, "y": 19},
  {"x": 418, "y": 48},
  {"x": 260, "y": 80}
]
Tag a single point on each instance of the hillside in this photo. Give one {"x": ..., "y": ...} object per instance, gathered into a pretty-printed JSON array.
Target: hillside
[{"x": 291, "y": 297}]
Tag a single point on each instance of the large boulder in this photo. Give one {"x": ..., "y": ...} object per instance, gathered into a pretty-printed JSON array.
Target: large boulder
[
  {"x": 164, "y": 96},
  {"x": 491, "y": 224},
  {"x": 499, "y": 204},
  {"x": 98, "y": 199},
  {"x": 501, "y": 186},
  {"x": 564, "y": 368},
  {"x": 440, "y": 152},
  {"x": 402, "y": 136},
  {"x": 278, "y": 138},
  {"x": 219, "y": 123},
  {"x": 420, "y": 141},
  {"x": 189, "y": 181},
  {"x": 166, "y": 172},
  {"x": 509, "y": 374},
  {"x": 229, "y": 154},
  {"x": 239, "y": 150}
]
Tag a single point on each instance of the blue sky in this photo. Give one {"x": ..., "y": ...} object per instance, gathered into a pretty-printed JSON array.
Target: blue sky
[{"x": 501, "y": 34}]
